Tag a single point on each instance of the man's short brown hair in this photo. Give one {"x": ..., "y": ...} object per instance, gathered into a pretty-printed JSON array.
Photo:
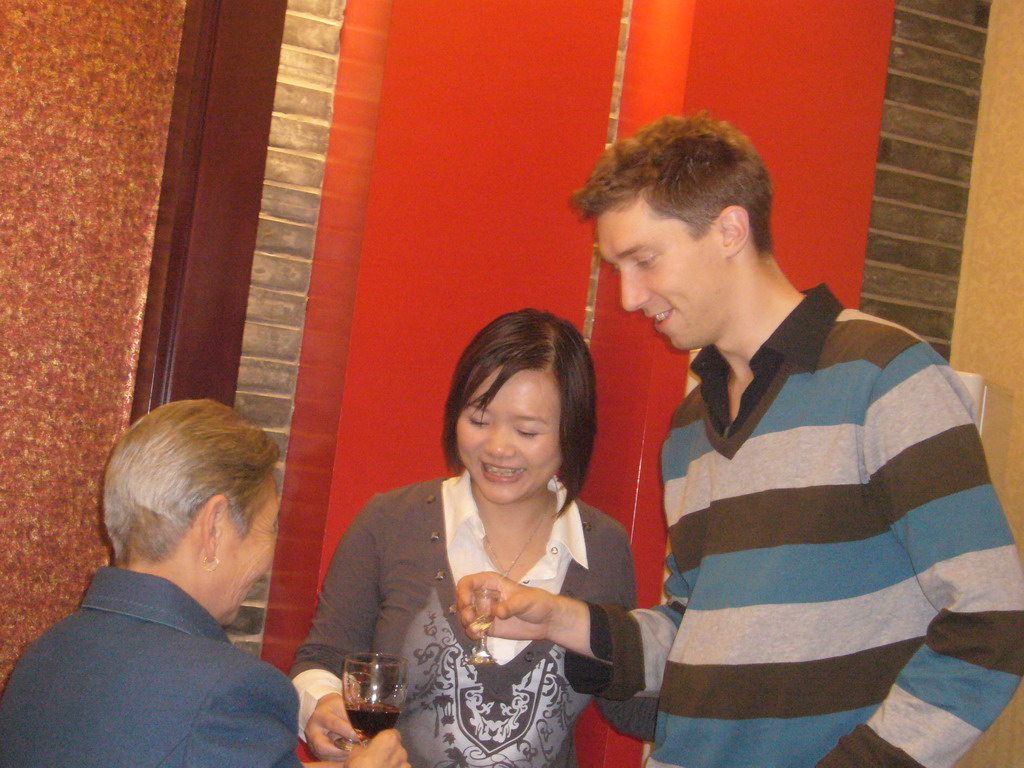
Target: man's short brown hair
[{"x": 684, "y": 168}]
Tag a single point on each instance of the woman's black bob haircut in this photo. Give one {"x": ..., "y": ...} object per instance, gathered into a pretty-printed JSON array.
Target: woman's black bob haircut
[{"x": 530, "y": 340}]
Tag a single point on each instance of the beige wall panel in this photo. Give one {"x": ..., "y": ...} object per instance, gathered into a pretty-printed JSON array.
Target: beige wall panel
[{"x": 988, "y": 336}]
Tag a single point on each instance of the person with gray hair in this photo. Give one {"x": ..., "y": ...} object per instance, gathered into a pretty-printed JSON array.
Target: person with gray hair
[{"x": 143, "y": 673}]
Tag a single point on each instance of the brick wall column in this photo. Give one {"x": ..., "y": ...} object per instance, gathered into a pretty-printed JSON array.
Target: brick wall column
[
  {"x": 924, "y": 165},
  {"x": 282, "y": 262}
]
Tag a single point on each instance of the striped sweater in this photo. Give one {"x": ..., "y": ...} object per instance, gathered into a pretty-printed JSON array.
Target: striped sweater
[{"x": 843, "y": 588}]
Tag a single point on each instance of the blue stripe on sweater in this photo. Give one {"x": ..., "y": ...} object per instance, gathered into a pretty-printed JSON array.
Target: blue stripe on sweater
[
  {"x": 954, "y": 525},
  {"x": 808, "y": 400},
  {"x": 958, "y": 524},
  {"x": 974, "y": 694},
  {"x": 677, "y": 584},
  {"x": 765, "y": 743},
  {"x": 909, "y": 362},
  {"x": 793, "y": 573},
  {"x": 682, "y": 446}
]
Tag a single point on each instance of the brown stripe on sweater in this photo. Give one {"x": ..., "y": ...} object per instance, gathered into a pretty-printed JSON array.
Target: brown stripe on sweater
[
  {"x": 628, "y": 662},
  {"x": 915, "y": 477},
  {"x": 689, "y": 411},
  {"x": 822, "y": 514},
  {"x": 863, "y": 747},
  {"x": 875, "y": 342},
  {"x": 986, "y": 638},
  {"x": 791, "y": 689}
]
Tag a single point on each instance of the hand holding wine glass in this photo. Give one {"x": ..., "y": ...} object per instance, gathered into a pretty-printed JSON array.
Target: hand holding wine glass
[
  {"x": 327, "y": 731},
  {"x": 385, "y": 750},
  {"x": 526, "y": 613},
  {"x": 373, "y": 686}
]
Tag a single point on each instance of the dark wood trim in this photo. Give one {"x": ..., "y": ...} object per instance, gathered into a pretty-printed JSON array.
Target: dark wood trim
[{"x": 210, "y": 201}]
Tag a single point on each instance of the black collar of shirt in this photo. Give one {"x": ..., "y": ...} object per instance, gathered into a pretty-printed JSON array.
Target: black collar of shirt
[{"x": 798, "y": 341}]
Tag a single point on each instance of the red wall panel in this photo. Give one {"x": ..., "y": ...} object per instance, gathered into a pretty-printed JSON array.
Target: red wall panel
[
  {"x": 640, "y": 378},
  {"x": 491, "y": 114},
  {"x": 805, "y": 81}
]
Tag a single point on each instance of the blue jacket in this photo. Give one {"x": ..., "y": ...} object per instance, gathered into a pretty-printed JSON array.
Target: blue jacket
[{"x": 141, "y": 675}]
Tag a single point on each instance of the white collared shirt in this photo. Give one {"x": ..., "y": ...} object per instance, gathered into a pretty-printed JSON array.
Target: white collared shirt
[{"x": 464, "y": 530}]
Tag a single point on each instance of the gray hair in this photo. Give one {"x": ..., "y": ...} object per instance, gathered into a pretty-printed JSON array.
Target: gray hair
[{"x": 170, "y": 463}]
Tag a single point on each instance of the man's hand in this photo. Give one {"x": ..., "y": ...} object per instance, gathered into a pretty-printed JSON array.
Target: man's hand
[
  {"x": 329, "y": 722},
  {"x": 526, "y": 613}
]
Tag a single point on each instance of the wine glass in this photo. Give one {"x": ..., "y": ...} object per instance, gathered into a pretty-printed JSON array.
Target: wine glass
[
  {"x": 484, "y": 600},
  {"x": 373, "y": 686}
]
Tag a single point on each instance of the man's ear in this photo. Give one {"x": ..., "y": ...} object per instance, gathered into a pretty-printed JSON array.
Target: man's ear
[
  {"x": 734, "y": 225},
  {"x": 209, "y": 524}
]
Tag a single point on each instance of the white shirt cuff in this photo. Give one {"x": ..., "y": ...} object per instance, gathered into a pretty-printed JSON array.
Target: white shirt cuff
[{"x": 312, "y": 685}]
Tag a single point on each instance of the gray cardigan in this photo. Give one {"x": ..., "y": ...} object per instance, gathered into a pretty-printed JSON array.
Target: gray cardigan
[{"x": 389, "y": 589}]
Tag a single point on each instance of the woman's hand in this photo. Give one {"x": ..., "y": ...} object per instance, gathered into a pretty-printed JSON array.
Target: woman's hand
[
  {"x": 385, "y": 750},
  {"x": 329, "y": 722}
]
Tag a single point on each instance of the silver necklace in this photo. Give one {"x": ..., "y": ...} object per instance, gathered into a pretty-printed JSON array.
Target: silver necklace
[{"x": 494, "y": 558}]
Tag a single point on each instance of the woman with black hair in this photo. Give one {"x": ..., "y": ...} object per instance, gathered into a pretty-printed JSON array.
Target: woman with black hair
[{"x": 519, "y": 427}]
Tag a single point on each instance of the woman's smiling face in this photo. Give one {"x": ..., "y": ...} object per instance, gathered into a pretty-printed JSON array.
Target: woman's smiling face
[{"x": 511, "y": 449}]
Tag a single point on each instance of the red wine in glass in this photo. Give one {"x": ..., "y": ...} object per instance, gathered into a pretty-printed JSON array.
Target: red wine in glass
[{"x": 370, "y": 719}]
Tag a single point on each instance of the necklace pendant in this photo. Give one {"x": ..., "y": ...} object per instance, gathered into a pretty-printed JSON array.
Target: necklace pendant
[{"x": 526, "y": 544}]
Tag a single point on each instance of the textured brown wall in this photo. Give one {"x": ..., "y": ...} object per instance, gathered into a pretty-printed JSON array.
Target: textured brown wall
[{"x": 85, "y": 94}]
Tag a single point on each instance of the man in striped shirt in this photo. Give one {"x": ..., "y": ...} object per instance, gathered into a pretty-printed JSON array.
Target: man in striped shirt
[{"x": 843, "y": 588}]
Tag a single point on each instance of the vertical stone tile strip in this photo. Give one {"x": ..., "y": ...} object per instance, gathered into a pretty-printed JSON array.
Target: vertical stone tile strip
[
  {"x": 613, "y": 134},
  {"x": 924, "y": 165},
  {"x": 284, "y": 247}
]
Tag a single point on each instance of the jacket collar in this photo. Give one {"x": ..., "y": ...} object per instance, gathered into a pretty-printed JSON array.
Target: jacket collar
[{"x": 150, "y": 598}]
